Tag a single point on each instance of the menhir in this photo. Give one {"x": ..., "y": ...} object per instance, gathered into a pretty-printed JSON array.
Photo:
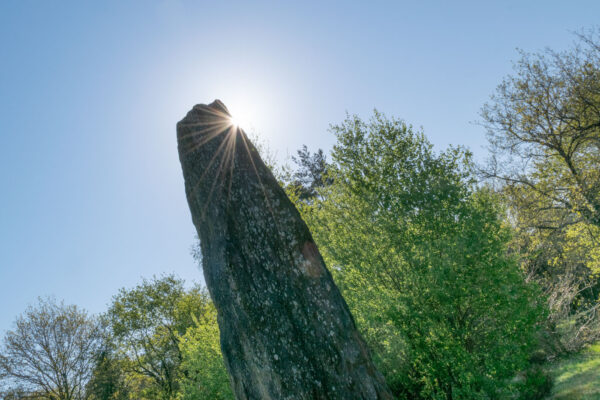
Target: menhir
[{"x": 286, "y": 331}]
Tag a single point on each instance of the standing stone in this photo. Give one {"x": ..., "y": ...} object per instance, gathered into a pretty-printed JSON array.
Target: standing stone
[{"x": 286, "y": 331}]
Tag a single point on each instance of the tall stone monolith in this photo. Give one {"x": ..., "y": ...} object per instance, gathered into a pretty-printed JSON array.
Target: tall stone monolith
[{"x": 286, "y": 331}]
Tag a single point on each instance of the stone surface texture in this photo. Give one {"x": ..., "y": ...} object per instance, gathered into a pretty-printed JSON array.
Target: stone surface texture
[{"x": 286, "y": 331}]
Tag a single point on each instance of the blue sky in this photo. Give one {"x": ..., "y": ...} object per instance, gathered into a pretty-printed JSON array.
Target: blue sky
[{"x": 92, "y": 193}]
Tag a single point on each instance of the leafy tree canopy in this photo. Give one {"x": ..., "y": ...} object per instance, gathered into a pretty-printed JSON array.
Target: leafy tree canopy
[{"x": 420, "y": 256}]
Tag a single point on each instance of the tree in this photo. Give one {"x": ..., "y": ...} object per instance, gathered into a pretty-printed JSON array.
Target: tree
[
  {"x": 47, "y": 354},
  {"x": 310, "y": 174},
  {"x": 544, "y": 130},
  {"x": 420, "y": 256},
  {"x": 148, "y": 325},
  {"x": 109, "y": 380},
  {"x": 564, "y": 261},
  {"x": 202, "y": 364}
]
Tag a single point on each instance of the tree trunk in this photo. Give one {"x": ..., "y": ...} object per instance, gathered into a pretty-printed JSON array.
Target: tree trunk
[{"x": 286, "y": 331}]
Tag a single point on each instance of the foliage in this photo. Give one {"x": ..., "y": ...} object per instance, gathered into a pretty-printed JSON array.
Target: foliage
[
  {"x": 46, "y": 355},
  {"x": 545, "y": 119},
  {"x": 420, "y": 256},
  {"x": 537, "y": 384},
  {"x": 564, "y": 263},
  {"x": 202, "y": 365},
  {"x": 310, "y": 174},
  {"x": 145, "y": 328},
  {"x": 544, "y": 130},
  {"x": 109, "y": 380},
  {"x": 150, "y": 326}
]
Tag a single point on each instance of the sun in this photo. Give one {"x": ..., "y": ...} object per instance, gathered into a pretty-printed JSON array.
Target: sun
[
  {"x": 234, "y": 122},
  {"x": 243, "y": 114},
  {"x": 241, "y": 121}
]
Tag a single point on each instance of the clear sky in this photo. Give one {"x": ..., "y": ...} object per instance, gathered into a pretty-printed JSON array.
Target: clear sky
[{"x": 92, "y": 193}]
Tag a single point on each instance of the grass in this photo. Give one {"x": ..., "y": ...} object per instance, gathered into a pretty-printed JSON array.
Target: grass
[{"x": 577, "y": 377}]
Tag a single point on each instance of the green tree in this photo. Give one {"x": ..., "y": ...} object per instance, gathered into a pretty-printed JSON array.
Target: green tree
[
  {"x": 109, "y": 380},
  {"x": 203, "y": 365},
  {"x": 47, "y": 354},
  {"x": 310, "y": 174},
  {"x": 146, "y": 324},
  {"x": 544, "y": 130},
  {"x": 420, "y": 256},
  {"x": 564, "y": 261},
  {"x": 156, "y": 329}
]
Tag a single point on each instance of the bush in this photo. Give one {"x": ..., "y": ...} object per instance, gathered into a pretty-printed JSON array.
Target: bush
[{"x": 537, "y": 384}]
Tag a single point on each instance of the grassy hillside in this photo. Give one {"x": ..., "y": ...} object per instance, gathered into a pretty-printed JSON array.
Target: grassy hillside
[{"x": 577, "y": 377}]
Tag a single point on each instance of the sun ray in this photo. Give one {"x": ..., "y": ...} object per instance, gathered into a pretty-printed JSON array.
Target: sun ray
[
  {"x": 234, "y": 139},
  {"x": 209, "y": 130},
  {"x": 261, "y": 185},
  {"x": 224, "y": 148},
  {"x": 209, "y": 134},
  {"x": 210, "y": 163}
]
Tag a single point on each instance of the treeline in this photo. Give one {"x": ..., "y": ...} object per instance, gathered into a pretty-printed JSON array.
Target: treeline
[
  {"x": 158, "y": 340},
  {"x": 464, "y": 279}
]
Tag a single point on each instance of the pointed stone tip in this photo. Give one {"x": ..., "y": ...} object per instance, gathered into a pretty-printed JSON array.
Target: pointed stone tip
[
  {"x": 215, "y": 106},
  {"x": 214, "y": 110},
  {"x": 218, "y": 104}
]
